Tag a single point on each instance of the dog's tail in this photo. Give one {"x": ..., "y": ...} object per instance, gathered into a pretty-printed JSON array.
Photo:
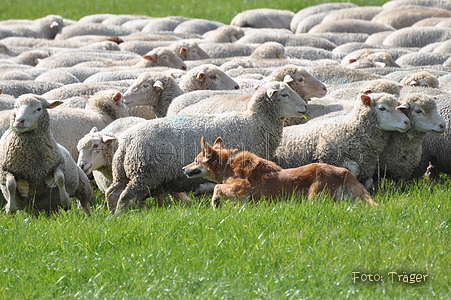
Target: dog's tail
[{"x": 357, "y": 189}]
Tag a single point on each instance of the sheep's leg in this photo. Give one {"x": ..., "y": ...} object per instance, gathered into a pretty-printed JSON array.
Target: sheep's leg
[
  {"x": 113, "y": 193},
  {"x": 11, "y": 185},
  {"x": 59, "y": 180},
  {"x": 134, "y": 192}
]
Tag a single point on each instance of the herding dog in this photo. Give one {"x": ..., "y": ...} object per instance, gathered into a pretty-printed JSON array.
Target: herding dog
[{"x": 243, "y": 174}]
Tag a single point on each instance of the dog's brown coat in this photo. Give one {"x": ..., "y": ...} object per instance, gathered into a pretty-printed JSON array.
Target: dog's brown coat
[{"x": 244, "y": 174}]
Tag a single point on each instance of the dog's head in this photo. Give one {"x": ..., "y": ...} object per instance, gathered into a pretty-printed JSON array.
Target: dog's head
[{"x": 210, "y": 162}]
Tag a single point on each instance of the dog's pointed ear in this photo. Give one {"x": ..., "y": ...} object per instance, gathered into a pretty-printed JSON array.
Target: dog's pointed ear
[
  {"x": 218, "y": 143},
  {"x": 207, "y": 150}
]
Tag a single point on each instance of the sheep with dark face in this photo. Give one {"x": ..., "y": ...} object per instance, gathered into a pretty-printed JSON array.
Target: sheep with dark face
[{"x": 36, "y": 173}]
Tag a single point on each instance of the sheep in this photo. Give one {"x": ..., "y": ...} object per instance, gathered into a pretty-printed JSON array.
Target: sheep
[
  {"x": 45, "y": 28},
  {"x": 416, "y": 59},
  {"x": 188, "y": 50},
  {"x": 298, "y": 79},
  {"x": 376, "y": 39},
  {"x": 153, "y": 89},
  {"x": 96, "y": 150},
  {"x": 57, "y": 75},
  {"x": 77, "y": 89},
  {"x": 309, "y": 22},
  {"x": 422, "y": 78},
  {"x": 207, "y": 77},
  {"x": 197, "y": 26},
  {"x": 340, "y": 75},
  {"x": 80, "y": 29},
  {"x": 428, "y": 22},
  {"x": 316, "y": 9},
  {"x": 33, "y": 164},
  {"x": 224, "y": 34},
  {"x": 144, "y": 148},
  {"x": 340, "y": 38},
  {"x": 263, "y": 18},
  {"x": 269, "y": 50},
  {"x": 166, "y": 57},
  {"x": 354, "y": 140},
  {"x": 19, "y": 87},
  {"x": 162, "y": 24},
  {"x": 362, "y": 13},
  {"x": 416, "y": 36},
  {"x": 406, "y": 16},
  {"x": 287, "y": 39},
  {"x": 225, "y": 50},
  {"x": 435, "y": 147},
  {"x": 371, "y": 59},
  {"x": 403, "y": 151},
  {"x": 393, "y": 4},
  {"x": 310, "y": 53},
  {"x": 351, "y": 26}
]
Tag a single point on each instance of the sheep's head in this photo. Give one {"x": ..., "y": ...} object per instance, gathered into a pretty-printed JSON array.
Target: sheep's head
[
  {"x": 422, "y": 112},
  {"x": 92, "y": 149},
  {"x": 29, "y": 109},
  {"x": 164, "y": 57},
  {"x": 212, "y": 78},
  {"x": 387, "y": 110},
  {"x": 292, "y": 105}
]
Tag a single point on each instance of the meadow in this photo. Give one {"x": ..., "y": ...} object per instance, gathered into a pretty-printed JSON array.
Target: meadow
[{"x": 284, "y": 250}]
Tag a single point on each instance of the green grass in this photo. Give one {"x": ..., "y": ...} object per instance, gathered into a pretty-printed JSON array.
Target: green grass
[
  {"x": 218, "y": 10},
  {"x": 286, "y": 250}
]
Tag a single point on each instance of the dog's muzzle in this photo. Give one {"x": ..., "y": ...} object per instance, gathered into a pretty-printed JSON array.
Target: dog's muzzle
[{"x": 192, "y": 173}]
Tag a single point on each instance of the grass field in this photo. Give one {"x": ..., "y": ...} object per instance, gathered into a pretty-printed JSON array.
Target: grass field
[{"x": 286, "y": 250}]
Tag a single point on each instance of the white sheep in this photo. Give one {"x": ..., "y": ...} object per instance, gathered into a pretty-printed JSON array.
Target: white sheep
[
  {"x": 263, "y": 18},
  {"x": 422, "y": 78},
  {"x": 224, "y": 50},
  {"x": 189, "y": 50},
  {"x": 154, "y": 90},
  {"x": 360, "y": 13},
  {"x": 417, "y": 59},
  {"x": 269, "y": 50},
  {"x": 416, "y": 36},
  {"x": 207, "y": 77},
  {"x": 80, "y": 29},
  {"x": 408, "y": 15},
  {"x": 37, "y": 173},
  {"x": 351, "y": 26},
  {"x": 197, "y": 26},
  {"x": 163, "y": 56},
  {"x": 224, "y": 34},
  {"x": 403, "y": 151},
  {"x": 162, "y": 24},
  {"x": 316, "y": 9},
  {"x": 44, "y": 28},
  {"x": 170, "y": 143},
  {"x": 20, "y": 87},
  {"x": 354, "y": 140}
]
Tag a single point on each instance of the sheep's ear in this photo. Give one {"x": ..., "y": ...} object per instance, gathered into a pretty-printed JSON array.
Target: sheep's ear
[
  {"x": 218, "y": 143},
  {"x": 108, "y": 139},
  {"x": 1, "y": 91},
  {"x": 366, "y": 92},
  {"x": 403, "y": 106},
  {"x": 413, "y": 83},
  {"x": 288, "y": 79},
  {"x": 201, "y": 75},
  {"x": 183, "y": 50},
  {"x": 352, "y": 60},
  {"x": 54, "y": 24},
  {"x": 158, "y": 86},
  {"x": 54, "y": 103},
  {"x": 379, "y": 64},
  {"x": 366, "y": 100},
  {"x": 151, "y": 57},
  {"x": 399, "y": 86},
  {"x": 117, "y": 97},
  {"x": 270, "y": 92},
  {"x": 93, "y": 130}
]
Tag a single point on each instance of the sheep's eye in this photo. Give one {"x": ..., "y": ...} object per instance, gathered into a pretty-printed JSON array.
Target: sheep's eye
[
  {"x": 301, "y": 79},
  {"x": 213, "y": 77},
  {"x": 39, "y": 109},
  {"x": 418, "y": 111},
  {"x": 381, "y": 108},
  {"x": 95, "y": 146},
  {"x": 146, "y": 85},
  {"x": 284, "y": 95}
]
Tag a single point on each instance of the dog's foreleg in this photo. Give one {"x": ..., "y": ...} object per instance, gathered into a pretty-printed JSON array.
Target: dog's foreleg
[{"x": 239, "y": 189}]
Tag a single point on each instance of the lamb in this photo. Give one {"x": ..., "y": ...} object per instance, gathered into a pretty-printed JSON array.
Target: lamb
[
  {"x": 403, "y": 151},
  {"x": 224, "y": 34},
  {"x": 422, "y": 78},
  {"x": 207, "y": 77},
  {"x": 146, "y": 147},
  {"x": 354, "y": 140},
  {"x": 164, "y": 56},
  {"x": 263, "y": 18},
  {"x": 44, "y": 28},
  {"x": 33, "y": 164}
]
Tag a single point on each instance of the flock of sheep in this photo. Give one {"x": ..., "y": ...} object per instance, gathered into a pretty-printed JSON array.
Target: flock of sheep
[{"x": 127, "y": 98}]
